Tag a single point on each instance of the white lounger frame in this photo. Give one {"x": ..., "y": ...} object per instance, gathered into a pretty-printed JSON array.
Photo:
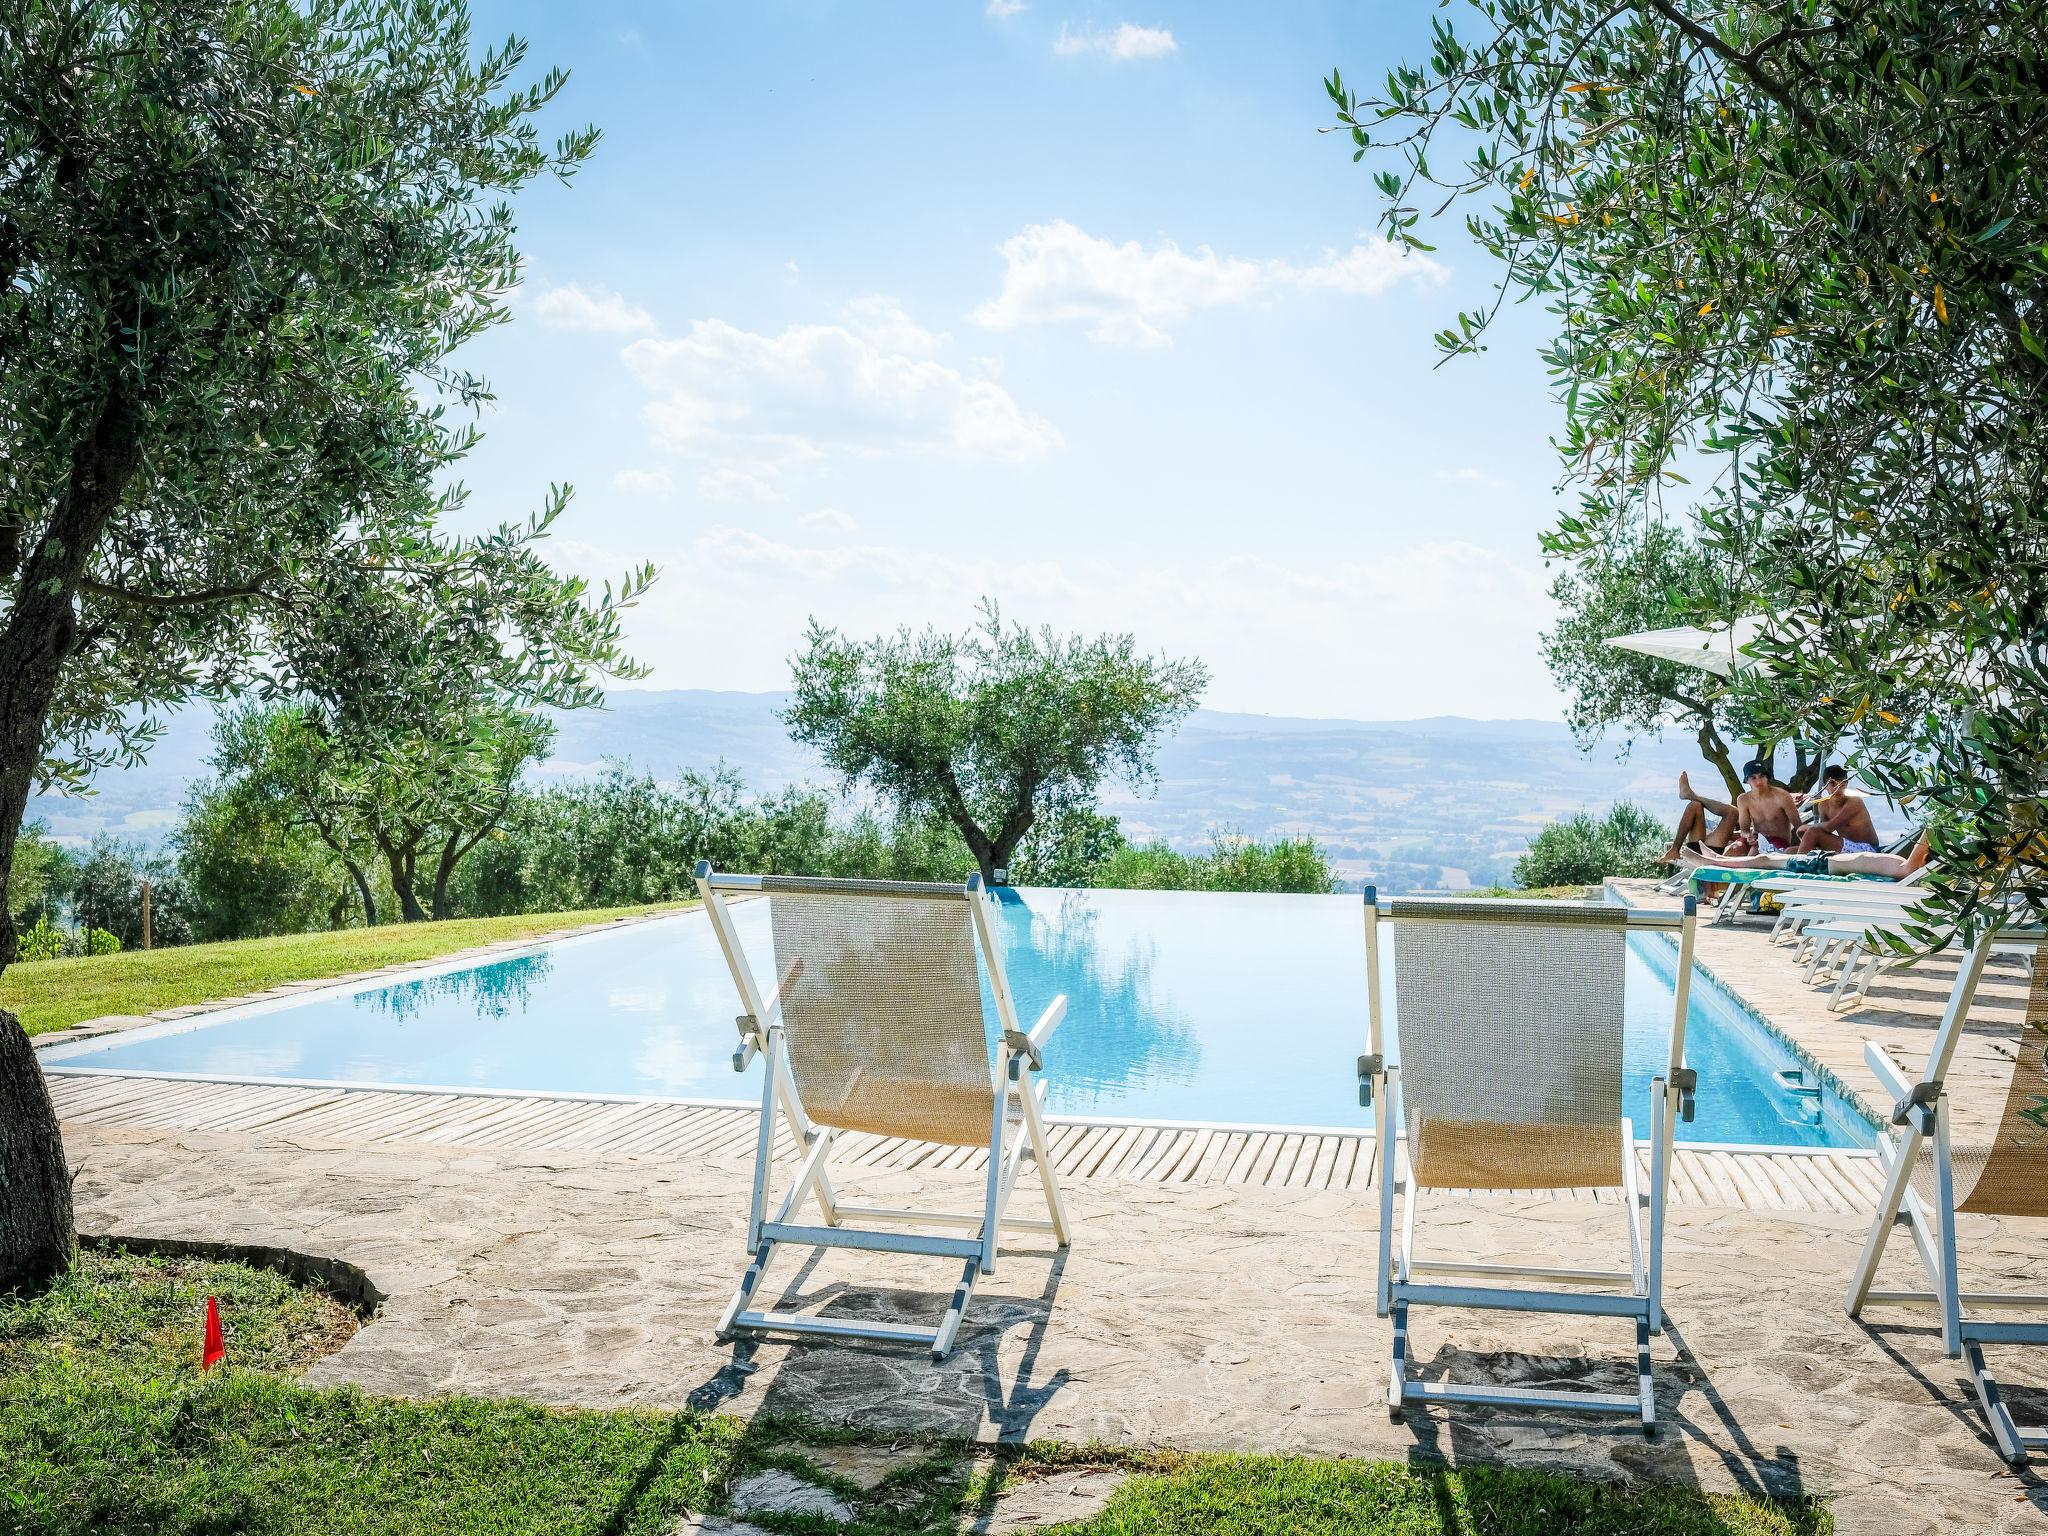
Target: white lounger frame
[
  {"x": 885, "y": 1231},
  {"x": 1920, "y": 1114},
  {"x": 1671, "y": 1095}
]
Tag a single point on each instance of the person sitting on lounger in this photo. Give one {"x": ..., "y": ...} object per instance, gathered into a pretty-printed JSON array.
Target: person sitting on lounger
[
  {"x": 1766, "y": 815},
  {"x": 1842, "y": 823},
  {"x": 1694, "y": 831}
]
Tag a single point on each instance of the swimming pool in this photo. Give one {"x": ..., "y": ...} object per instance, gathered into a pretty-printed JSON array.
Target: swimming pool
[{"x": 1181, "y": 1006}]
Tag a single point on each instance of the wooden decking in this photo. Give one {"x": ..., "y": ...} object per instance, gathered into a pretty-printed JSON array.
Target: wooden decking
[{"x": 1787, "y": 1180}]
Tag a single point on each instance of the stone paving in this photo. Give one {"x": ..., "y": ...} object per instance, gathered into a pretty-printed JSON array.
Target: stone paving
[{"x": 1204, "y": 1318}]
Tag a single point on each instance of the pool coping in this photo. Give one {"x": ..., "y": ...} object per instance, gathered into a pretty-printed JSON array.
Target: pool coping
[
  {"x": 291, "y": 991},
  {"x": 1830, "y": 1078}
]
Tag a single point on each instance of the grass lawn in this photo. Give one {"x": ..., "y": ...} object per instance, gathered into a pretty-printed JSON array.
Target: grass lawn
[
  {"x": 55, "y": 994},
  {"x": 105, "y": 1426}
]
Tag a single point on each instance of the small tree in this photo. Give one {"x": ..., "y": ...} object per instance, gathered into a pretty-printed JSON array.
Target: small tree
[
  {"x": 419, "y": 805},
  {"x": 1644, "y": 582},
  {"x": 990, "y": 728},
  {"x": 1583, "y": 849}
]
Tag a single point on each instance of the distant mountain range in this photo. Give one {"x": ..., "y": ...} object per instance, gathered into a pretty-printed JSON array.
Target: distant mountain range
[{"x": 1442, "y": 802}]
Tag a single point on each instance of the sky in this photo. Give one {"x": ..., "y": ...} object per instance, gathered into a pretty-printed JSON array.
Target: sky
[{"x": 863, "y": 312}]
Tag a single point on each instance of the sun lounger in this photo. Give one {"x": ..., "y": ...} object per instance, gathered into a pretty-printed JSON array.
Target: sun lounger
[
  {"x": 1510, "y": 1078},
  {"x": 876, "y": 1025},
  {"x": 1933, "y": 1176}
]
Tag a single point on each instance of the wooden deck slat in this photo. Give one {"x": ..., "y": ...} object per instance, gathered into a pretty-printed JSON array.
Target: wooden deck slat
[{"x": 1777, "y": 1181}]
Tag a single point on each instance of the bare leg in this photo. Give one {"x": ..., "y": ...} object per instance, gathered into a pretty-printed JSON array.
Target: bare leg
[
  {"x": 1687, "y": 792},
  {"x": 1756, "y": 861},
  {"x": 1813, "y": 840},
  {"x": 1692, "y": 827},
  {"x": 1890, "y": 865}
]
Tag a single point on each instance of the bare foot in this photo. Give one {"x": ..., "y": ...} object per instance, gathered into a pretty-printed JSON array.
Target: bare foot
[{"x": 1685, "y": 787}]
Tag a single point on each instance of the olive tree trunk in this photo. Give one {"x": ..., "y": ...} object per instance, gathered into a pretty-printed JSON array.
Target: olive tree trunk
[
  {"x": 37, "y": 1239},
  {"x": 37, "y": 1234}
]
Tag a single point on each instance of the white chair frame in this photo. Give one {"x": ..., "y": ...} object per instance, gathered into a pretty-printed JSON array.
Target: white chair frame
[
  {"x": 1920, "y": 1114},
  {"x": 1671, "y": 1096},
  {"x": 968, "y": 1236}
]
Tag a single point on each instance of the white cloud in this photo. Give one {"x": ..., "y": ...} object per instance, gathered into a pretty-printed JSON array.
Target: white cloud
[
  {"x": 1128, "y": 294},
  {"x": 1124, "y": 41},
  {"x": 643, "y": 481},
  {"x": 1003, "y": 10},
  {"x": 729, "y": 482},
  {"x": 574, "y": 308},
  {"x": 1263, "y": 624},
  {"x": 828, "y": 520},
  {"x": 753, "y": 405},
  {"x": 882, "y": 320}
]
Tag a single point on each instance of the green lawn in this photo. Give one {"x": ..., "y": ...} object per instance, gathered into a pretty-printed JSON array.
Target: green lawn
[
  {"x": 55, "y": 994},
  {"x": 106, "y": 1427}
]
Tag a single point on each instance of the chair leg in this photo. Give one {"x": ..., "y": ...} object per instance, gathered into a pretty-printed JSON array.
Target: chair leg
[
  {"x": 2003, "y": 1430},
  {"x": 1397, "y": 1384},
  {"x": 1646, "y": 1387},
  {"x": 749, "y": 1283},
  {"x": 949, "y": 1325}
]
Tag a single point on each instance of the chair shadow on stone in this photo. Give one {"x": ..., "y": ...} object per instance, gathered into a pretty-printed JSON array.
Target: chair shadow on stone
[
  {"x": 861, "y": 1384},
  {"x": 1959, "y": 1400},
  {"x": 1685, "y": 1392}
]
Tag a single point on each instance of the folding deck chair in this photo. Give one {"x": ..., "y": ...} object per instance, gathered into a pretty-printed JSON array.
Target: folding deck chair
[
  {"x": 1930, "y": 1179},
  {"x": 876, "y": 1025},
  {"x": 1511, "y": 1027}
]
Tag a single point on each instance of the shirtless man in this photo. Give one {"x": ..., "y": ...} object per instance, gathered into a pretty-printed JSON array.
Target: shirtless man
[
  {"x": 1766, "y": 815},
  {"x": 1844, "y": 824}
]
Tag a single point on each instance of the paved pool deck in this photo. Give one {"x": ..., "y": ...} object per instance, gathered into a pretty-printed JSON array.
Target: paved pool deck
[
  {"x": 1196, "y": 1309},
  {"x": 1214, "y": 1317}
]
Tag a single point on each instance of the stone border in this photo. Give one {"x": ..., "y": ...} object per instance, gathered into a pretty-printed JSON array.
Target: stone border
[
  {"x": 1827, "y": 1075},
  {"x": 345, "y": 1282},
  {"x": 120, "y": 1023}
]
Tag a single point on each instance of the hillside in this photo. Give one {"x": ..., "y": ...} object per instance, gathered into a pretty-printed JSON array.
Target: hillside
[{"x": 1412, "y": 803}]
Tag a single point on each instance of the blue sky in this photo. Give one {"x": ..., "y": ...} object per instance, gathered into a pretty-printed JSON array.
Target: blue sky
[{"x": 864, "y": 311}]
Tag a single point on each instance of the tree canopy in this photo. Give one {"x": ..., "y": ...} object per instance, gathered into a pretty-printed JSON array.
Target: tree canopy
[
  {"x": 989, "y": 729},
  {"x": 1797, "y": 257},
  {"x": 239, "y": 242}
]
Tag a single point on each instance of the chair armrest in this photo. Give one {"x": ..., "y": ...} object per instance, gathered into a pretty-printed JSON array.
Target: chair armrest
[
  {"x": 1055, "y": 1015},
  {"x": 1910, "y": 1100},
  {"x": 1029, "y": 1047}
]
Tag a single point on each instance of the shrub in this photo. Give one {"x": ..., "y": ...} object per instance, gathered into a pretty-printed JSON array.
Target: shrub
[
  {"x": 97, "y": 941},
  {"x": 1234, "y": 862},
  {"x": 1584, "y": 849},
  {"x": 44, "y": 941}
]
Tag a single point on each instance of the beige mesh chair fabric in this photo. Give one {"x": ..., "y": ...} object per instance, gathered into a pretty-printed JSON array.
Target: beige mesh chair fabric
[
  {"x": 2007, "y": 1174},
  {"x": 881, "y": 1006},
  {"x": 1511, "y": 1031}
]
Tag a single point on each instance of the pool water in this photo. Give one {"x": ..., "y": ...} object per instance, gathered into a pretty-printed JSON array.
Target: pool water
[{"x": 1246, "y": 1009}]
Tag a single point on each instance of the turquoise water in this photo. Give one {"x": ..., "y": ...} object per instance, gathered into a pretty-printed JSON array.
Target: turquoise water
[{"x": 1180, "y": 1006}]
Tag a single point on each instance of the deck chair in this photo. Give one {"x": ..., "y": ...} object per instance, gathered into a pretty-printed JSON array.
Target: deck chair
[
  {"x": 876, "y": 1025},
  {"x": 1510, "y": 1078},
  {"x": 1931, "y": 1178}
]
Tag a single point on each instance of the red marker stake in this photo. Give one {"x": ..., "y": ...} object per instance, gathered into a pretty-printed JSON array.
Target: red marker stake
[{"x": 215, "y": 1348}]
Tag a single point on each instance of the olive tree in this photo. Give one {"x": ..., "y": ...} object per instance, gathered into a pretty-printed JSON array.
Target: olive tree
[
  {"x": 239, "y": 242},
  {"x": 988, "y": 729},
  {"x": 1796, "y": 252}
]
